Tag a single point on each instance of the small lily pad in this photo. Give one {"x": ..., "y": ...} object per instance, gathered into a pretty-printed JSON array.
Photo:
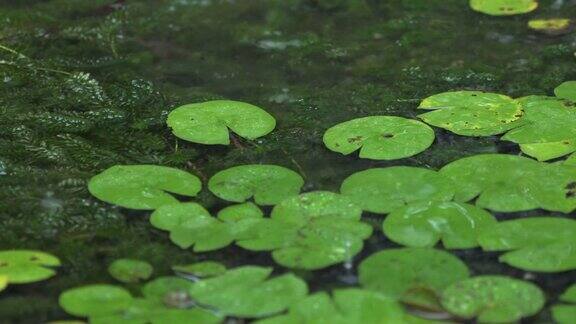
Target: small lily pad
[
  {"x": 380, "y": 137},
  {"x": 504, "y": 7},
  {"x": 566, "y": 313},
  {"x": 190, "y": 224},
  {"x": 310, "y": 231},
  {"x": 143, "y": 186},
  {"x": 202, "y": 269},
  {"x": 95, "y": 300},
  {"x": 3, "y": 282},
  {"x": 163, "y": 288},
  {"x": 347, "y": 306},
  {"x": 472, "y": 113},
  {"x": 129, "y": 270},
  {"x": 249, "y": 292},
  {"x": 24, "y": 266},
  {"x": 423, "y": 224},
  {"x": 493, "y": 299},
  {"x": 382, "y": 190},
  {"x": 412, "y": 275},
  {"x": 544, "y": 244},
  {"x": 552, "y": 26},
  {"x": 267, "y": 184},
  {"x": 566, "y": 90},
  {"x": 208, "y": 122}
]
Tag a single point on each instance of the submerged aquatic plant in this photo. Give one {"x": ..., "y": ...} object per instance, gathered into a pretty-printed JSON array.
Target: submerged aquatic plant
[
  {"x": 493, "y": 299},
  {"x": 266, "y": 184},
  {"x": 25, "y": 266},
  {"x": 416, "y": 276},
  {"x": 143, "y": 186},
  {"x": 544, "y": 244},
  {"x": 380, "y": 137},
  {"x": 566, "y": 313},
  {"x": 208, "y": 122}
]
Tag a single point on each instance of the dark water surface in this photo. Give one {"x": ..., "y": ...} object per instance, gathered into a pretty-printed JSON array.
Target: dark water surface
[{"x": 310, "y": 63}]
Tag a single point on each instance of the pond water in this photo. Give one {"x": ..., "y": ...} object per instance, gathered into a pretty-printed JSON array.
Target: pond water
[{"x": 309, "y": 63}]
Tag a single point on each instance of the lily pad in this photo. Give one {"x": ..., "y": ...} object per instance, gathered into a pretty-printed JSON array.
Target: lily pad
[
  {"x": 566, "y": 90},
  {"x": 190, "y": 224},
  {"x": 504, "y": 7},
  {"x": 548, "y": 131},
  {"x": 544, "y": 244},
  {"x": 24, "y": 266},
  {"x": 129, "y": 270},
  {"x": 347, "y": 306},
  {"x": 208, "y": 122},
  {"x": 493, "y": 299},
  {"x": 3, "y": 282},
  {"x": 164, "y": 288},
  {"x": 509, "y": 183},
  {"x": 382, "y": 190},
  {"x": 472, "y": 113},
  {"x": 380, "y": 137},
  {"x": 552, "y": 26},
  {"x": 249, "y": 292},
  {"x": 95, "y": 300},
  {"x": 412, "y": 275},
  {"x": 423, "y": 224},
  {"x": 310, "y": 231},
  {"x": 267, "y": 184},
  {"x": 202, "y": 269},
  {"x": 143, "y": 186},
  {"x": 566, "y": 313}
]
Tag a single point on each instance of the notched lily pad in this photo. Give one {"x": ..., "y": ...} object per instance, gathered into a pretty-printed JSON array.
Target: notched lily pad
[
  {"x": 249, "y": 292},
  {"x": 143, "y": 186},
  {"x": 347, "y": 306},
  {"x": 380, "y": 137},
  {"x": 95, "y": 300},
  {"x": 544, "y": 244},
  {"x": 130, "y": 270},
  {"x": 566, "y": 313},
  {"x": 267, "y": 184},
  {"x": 493, "y": 299},
  {"x": 552, "y": 26},
  {"x": 423, "y": 224},
  {"x": 208, "y": 122},
  {"x": 190, "y": 224},
  {"x": 310, "y": 231},
  {"x": 566, "y": 90},
  {"x": 382, "y": 190},
  {"x": 504, "y": 7},
  {"x": 24, "y": 266},
  {"x": 472, "y": 113},
  {"x": 415, "y": 276}
]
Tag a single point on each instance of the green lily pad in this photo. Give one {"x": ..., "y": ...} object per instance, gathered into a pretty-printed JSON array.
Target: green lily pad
[
  {"x": 190, "y": 224},
  {"x": 129, "y": 270},
  {"x": 95, "y": 300},
  {"x": 249, "y": 292},
  {"x": 423, "y": 224},
  {"x": 202, "y": 269},
  {"x": 3, "y": 282},
  {"x": 347, "y": 306},
  {"x": 493, "y": 299},
  {"x": 571, "y": 160},
  {"x": 380, "y": 137},
  {"x": 24, "y": 266},
  {"x": 412, "y": 275},
  {"x": 161, "y": 289},
  {"x": 552, "y": 26},
  {"x": 310, "y": 231},
  {"x": 509, "y": 183},
  {"x": 143, "y": 186},
  {"x": 566, "y": 90},
  {"x": 548, "y": 131},
  {"x": 382, "y": 190},
  {"x": 544, "y": 244},
  {"x": 566, "y": 313},
  {"x": 267, "y": 184},
  {"x": 208, "y": 122},
  {"x": 504, "y": 7},
  {"x": 472, "y": 113}
]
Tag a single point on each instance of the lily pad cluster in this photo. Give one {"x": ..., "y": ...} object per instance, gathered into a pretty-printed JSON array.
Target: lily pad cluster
[{"x": 542, "y": 126}]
